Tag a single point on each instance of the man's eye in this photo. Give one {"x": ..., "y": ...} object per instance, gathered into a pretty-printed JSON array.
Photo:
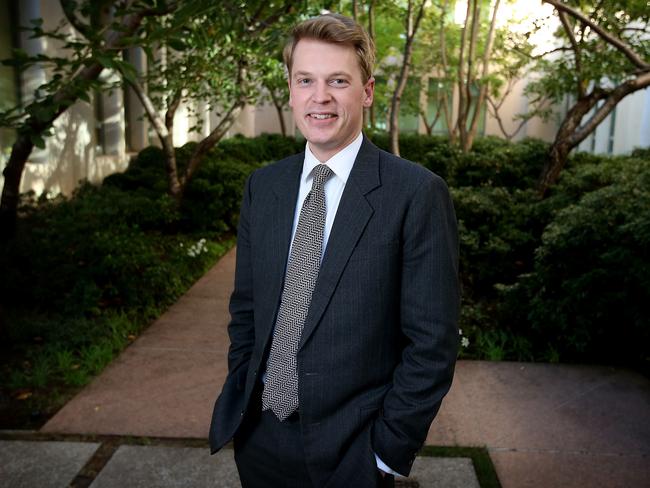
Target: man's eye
[
  {"x": 339, "y": 81},
  {"x": 304, "y": 81}
]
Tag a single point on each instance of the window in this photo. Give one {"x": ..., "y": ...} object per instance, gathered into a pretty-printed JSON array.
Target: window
[{"x": 612, "y": 132}]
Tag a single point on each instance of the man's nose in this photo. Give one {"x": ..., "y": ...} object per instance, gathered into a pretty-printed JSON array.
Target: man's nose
[{"x": 322, "y": 92}]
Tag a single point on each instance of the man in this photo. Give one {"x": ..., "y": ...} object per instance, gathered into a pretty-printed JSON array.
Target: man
[{"x": 344, "y": 312}]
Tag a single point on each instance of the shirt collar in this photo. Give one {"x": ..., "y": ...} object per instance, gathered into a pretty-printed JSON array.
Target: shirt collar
[{"x": 341, "y": 163}]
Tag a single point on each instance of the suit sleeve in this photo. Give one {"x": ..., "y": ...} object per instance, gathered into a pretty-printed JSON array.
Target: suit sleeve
[
  {"x": 429, "y": 310},
  {"x": 241, "y": 327}
]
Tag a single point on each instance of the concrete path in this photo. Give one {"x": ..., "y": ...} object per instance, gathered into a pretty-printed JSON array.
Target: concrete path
[
  {"x": 544, "y": 425},
  {"x": 47, "y": 464}
]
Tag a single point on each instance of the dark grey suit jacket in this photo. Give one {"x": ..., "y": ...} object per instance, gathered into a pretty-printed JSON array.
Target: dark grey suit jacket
[{"x": 379, "y": 345}]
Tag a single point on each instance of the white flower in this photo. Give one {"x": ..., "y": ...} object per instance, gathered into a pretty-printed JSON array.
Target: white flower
[
  {"x": 460, "y": 331},
  {"x": 464, "y": 342},
  {"x": 198, "y": 248}
]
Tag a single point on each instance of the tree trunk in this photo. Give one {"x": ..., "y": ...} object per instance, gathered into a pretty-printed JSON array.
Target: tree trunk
[
  {"x": 174, "y": 186},
  {"x": 13, "y": 174},
  {"x": 393, "y": 126},
  {"x": 471, "y": 134},
  {"x": 557, "y": 158},
  {"x": 278, "y": 109},
  {"x": 412, "y": 24},
  {"x": 463, "y": 117},
  {"x": 564, "y": 141},
  {"x": 462, "y": 94},
  {"x": 427, "y": 127}
]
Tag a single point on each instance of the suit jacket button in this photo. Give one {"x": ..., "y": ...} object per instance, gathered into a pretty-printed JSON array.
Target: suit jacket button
[{"x": 241, "y": 413}]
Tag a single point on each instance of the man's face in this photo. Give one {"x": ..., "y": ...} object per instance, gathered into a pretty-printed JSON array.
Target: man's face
[{"x": 327, "y": 95}]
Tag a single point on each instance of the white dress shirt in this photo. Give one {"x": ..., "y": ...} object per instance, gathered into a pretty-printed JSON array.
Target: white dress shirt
[{"x": 341, "y": 164}]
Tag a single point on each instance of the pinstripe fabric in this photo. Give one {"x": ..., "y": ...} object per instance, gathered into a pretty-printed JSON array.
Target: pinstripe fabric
[
  {"x": 377, "y": 349},
  {"x": 281, "y": 386}
]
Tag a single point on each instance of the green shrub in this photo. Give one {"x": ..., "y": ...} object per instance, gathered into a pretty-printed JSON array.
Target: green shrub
[
  {"x": 212, "y": 197},
  {"x": 496, "y": 162},
  {"x": 211, "y": 200},
  {"x": 498, "y": 230},
  {"x": 588, "y": 291},
  {"x": 435, "y": 153}
]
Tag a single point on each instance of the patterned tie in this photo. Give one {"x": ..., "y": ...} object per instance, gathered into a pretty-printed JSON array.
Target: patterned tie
[{"x": 280, "y": 392}]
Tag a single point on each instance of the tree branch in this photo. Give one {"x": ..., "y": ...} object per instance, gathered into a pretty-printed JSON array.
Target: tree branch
[
  {"x": 486, "y": 70},
  {"x": 625, "y": 48},
  {"x": 542, "y": 55},
  {"x": 461, "y": 70},
  {"x": 171, "y": 110},
  {"x": 69, "y": 8},
  {"x": 577, "y": 52},
  {"x": 495, "y": 113},
  {"x": 263, "y": 24},
  {"x": 611, "y": 97}
]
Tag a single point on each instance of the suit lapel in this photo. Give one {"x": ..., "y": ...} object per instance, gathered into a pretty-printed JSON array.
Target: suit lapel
[
  {"x": 351, "y": 219},
  {"x": 280, "y": 220},
  {"x": 286, "y": 192}
]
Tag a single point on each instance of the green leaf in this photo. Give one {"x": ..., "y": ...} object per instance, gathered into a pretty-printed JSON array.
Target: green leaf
[
  {"x": 105, "y": 61},
  {"x": 38, "y": 141},
  {"x": 127, "y": 70},
  {"x": 176, "y": 43}
]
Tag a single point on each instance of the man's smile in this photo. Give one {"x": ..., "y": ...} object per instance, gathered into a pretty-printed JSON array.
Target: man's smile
[{"x": 322, "y": 116}]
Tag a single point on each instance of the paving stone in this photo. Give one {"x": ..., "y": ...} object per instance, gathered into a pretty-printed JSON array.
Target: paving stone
[
  {"x": 168, "y": 467},
  {"x": 530, "y": 469},
  {"x": 432, "y": 472},
  {"x": 32, "y": 464},
  {"x": 187, "y": 467}
]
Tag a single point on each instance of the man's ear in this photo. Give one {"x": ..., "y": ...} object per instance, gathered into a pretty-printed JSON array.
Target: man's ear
[{"x": 369, "y": 92}]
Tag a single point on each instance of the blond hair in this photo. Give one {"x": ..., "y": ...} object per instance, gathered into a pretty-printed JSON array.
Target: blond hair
[{"x": 336, "y": 29}]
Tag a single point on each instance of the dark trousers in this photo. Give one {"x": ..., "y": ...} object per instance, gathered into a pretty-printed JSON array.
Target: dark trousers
[{"x": 270, "y": 453}]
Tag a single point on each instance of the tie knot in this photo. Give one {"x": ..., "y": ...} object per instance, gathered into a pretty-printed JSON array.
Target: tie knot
[{"x": 321, "y": 173}]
